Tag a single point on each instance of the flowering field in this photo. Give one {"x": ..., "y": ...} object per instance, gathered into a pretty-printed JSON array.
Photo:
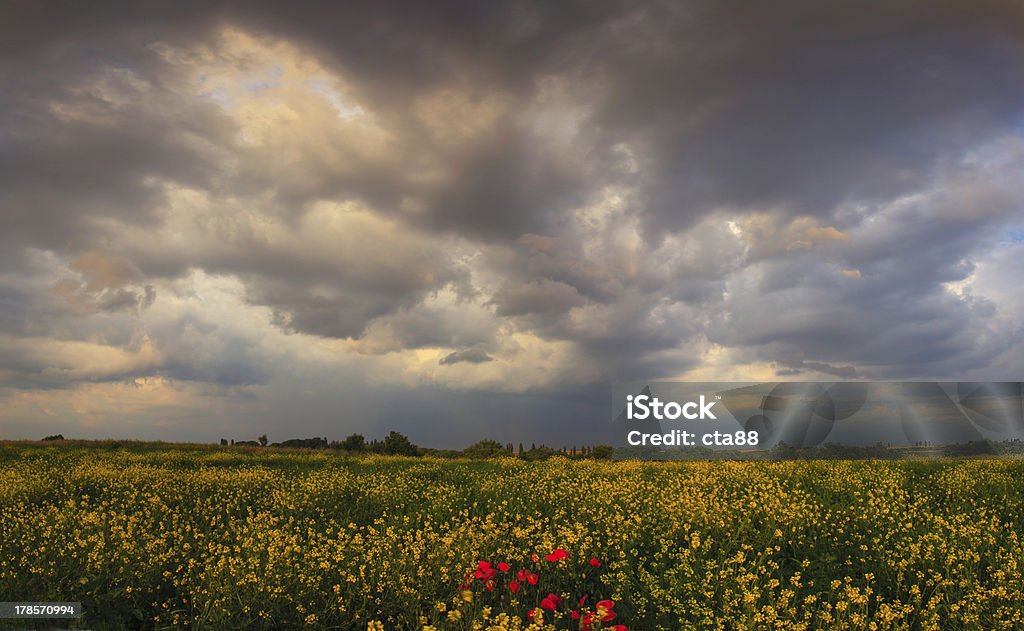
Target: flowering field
[{"x": 233, "y": 539}]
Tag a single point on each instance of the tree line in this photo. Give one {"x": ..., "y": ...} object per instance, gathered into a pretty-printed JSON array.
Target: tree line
[{"x": 398, "y": 444}]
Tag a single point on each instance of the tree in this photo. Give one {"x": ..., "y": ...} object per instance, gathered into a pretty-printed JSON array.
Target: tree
[
  {"x": 601, "y": 452},
  {"x": 540, "y": 453},
  {"x": 263, "y": 440},
  {"x": 486, "y": 448},
  {"x": 399, "y": 444},
  {"x": 782, "y": 451},
  {"x": 305, "y": 443},
  {"x": 223, "y": 442},
  {"x": 354, "y": 442}
]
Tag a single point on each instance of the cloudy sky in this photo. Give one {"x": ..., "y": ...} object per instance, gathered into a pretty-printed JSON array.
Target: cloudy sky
[{"x": 315, "y": 219}]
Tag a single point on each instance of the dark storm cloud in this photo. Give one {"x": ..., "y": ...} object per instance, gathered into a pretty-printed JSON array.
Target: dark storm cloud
[
  {"x": 880, "y": 298},
  {"x": 15, "y": 309},
  {"x": 804, "y": 105},
  {"x": 87, "y": 118},
  {"x": 799, "y": 104},
  {"x": 344, "y": 315},
  {"x": 568, "y": 169},
  {"x": 471, "y": 355},
  {"x": 543, "y": 297},
  {"x": 204, "y": 351}
]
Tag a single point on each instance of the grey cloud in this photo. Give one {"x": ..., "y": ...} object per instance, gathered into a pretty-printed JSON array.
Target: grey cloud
[
  {"x": 429, "y": 325},
  {"x": 470, "y": 355},
  {"x": 108, "y": 284},
  {"x": 342, "y": 315},
  {"x": 798, "y": 105},
  {"x": 341, "y": 297},
  {"x": 803, "y": 105},
  {"x": 873, "y": 322},
  {"x": 80, "y": 299},
  {"x": 541, "y": 297},
  {"x": 74, "y": 154},
  {"x": 862, "y": 116},
  {"x": 797, "y": 366},
  {"x": 200, "y": 351}
]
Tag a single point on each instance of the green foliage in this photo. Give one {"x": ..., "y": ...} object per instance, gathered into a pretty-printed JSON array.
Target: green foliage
[
  {"x": 354, "y": 443},
  {"x": 538, "y": 453},
  {"x": 486, "y": 448},
  {"x": 304, "y": 443},
  {"x": 396, "y": 444}
]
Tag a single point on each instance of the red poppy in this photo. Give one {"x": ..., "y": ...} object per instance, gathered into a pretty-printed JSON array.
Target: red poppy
[
  {"x": 534, "y": 557},
  {"x": 557, "y": 555},
  {"x": 595, "y": 563},
  {"x": 484, "y": 571},
  {"x": 532, "y": 579},
  {"x": 620, "y": 627},
  {"x": 522, "y": 574},
  {"x": 583, "y": 599},
  {"x": 513, "y": 586},
  {"x": 575, "y": 614},
  {"x": 587, "y": 623},
  {"x": 604, "y": 610},
  {"x": 504, "y": 567},
  {"x": 485, "y": 574},
  {"x": 548, "y": 604}
]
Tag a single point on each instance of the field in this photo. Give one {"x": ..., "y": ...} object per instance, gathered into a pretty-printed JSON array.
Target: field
[{"x": 222, "y": 538}]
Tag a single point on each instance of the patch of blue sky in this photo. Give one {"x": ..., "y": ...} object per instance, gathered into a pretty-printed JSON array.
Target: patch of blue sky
[
  {"x": 325, "y": 88},
  {"x": 1012, "y": 238},
  {"x": 224, "y": 94}
]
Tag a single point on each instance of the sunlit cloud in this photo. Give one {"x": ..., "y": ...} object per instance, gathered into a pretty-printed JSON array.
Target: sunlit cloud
[{"x": 230, "y": 220}]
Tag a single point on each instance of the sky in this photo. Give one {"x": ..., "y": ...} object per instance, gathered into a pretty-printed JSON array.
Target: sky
[{"x": 463, "y": 221}]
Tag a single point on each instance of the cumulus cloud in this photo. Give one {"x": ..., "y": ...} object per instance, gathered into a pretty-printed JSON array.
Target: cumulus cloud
[{"x": 525, "y": 198}]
